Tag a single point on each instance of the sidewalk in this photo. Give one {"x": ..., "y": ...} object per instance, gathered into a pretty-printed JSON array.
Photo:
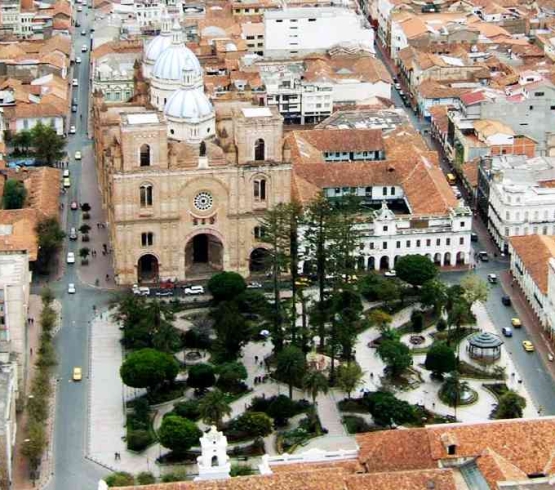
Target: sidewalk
[{"x": 101, "y": 265}]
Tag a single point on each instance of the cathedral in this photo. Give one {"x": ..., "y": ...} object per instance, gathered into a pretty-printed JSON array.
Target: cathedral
[{"x": 185, "y": 180}]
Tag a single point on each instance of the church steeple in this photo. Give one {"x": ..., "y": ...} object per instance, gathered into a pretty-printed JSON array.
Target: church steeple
[
  {"x": 166, "y": 23},
  {"x": 177, "y": 33}
]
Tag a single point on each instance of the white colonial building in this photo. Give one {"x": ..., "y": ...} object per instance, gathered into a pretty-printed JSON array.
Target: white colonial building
[{"x": 521, "y": 196}]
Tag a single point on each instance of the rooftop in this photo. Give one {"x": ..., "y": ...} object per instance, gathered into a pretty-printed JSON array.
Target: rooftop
[
  {"x": 534, "y": 252},
  {"x": 256, "y": 112},
  {"x": 144, "y": 118}
]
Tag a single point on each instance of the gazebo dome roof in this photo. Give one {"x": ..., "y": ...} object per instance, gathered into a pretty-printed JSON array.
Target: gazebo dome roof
[{"x": 485, "y": 340}]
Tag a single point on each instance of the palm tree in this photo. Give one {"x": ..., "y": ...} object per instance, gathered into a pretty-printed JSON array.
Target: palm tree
[
  {"x": 453, "y": 388},
  {"x": 213, "y": 407},
  {"x": 291, "y": 365},
  {"x": 315, "y": 383}
]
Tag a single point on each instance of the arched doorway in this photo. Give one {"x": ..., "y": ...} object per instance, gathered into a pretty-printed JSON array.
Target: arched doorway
[
  {"x": 147, "y": 268},
  {"x": 259, "y": 260},
  {"x": 384, "y": 262},
  {"x": 259, "y": 150},
  {"x": 447, "y": 258},
  {"x": 202, "y": 149},
  {"x": 437, "y": 258},
  {"x": 371, "y": 263},
  {"x": 397, "y": 257},
  {"x": 204, "y": 254},
  {"x": 460, "y": 258},
  {"x": 360, "y": 263}
]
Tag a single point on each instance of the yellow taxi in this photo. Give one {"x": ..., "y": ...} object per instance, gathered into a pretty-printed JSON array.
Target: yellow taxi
[
  {"x": 77, "y": 374},
  {"x": 528, "y": 346},
  {"x": 302, "y": 282},
  {"x": 515, "y": 322}
]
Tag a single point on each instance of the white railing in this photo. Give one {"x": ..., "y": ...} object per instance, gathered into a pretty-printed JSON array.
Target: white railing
[{"x": 310, "y": 456}]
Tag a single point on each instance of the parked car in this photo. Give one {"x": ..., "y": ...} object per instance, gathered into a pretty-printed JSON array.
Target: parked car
[
  {"x": 72, "y": 130},
  {"x": 492, "y": 278},
  {"x": 483, "y": 256},
  {"x": 72, "y": 234},
  {"x": 506, "y": 300},
  {"x": 70, "y": 259},
  {"x": 67, "y": 183},
  {"x": 75, "y": 82},
  {"x": 390, "y": 273},
  {"x": 83, "y": 32},
  {"x": 398, "y": 86},
  {"x": 507, "y": 331},
  {"x": 66, "y": 173},
  {"x": 254, "y": 285},
  {"x": 79, "y": 9},
  {"x": 515, "y": 322},
  {"x": 77, "y": 374},
  {"x": 302, "y": 282},
  {"x": 164, "y": 292},
  {"x": 71, "y": 288},
  {"x": 193, "y": 290},
  {"x": 140, "y": 290},
  {"x": 73, "y": 108},
  {"x": 528, "y": 346},
  {"x": 77, "y": 23},
  {"x": 77, "y": 155},
  {"x": 78, "y": 60},
  {"x": 473, "y": 237},
  {"x": 84, "y": 48}
]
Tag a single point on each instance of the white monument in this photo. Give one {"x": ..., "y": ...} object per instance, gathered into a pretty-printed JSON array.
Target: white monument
[{"x": 213, "y": 463}]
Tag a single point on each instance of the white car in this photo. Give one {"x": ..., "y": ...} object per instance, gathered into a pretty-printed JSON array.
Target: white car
[
  {"x": 84, "y": 48},
  {"x": 140, "y": 291},
  {"x": 70, "y": 258},
  {"x": 71, "y": 288},
  {"x": 72, "y": 130},
  {"x": 79, "y": 9},
  {"x": 391, "y": 273},
  {"x": 193, "y": 290},
  {"x": 77, "y": 60},
  {"x": 254, "y": 285},
  {"x": 75, "y": 82},
  {"x": 77, "y": 155}
]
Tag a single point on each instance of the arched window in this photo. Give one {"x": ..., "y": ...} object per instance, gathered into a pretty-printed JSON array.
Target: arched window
[
  {"x": 259, "y": 232},
  {"x": 145, "y": 155},
  {"x": 259, "y": 150},
  {"x": 202, "y": 149},
  {"x": 260, "y": 190},
  {"x": 392, "y": 190},
  {"x": 146, "y": 195}
]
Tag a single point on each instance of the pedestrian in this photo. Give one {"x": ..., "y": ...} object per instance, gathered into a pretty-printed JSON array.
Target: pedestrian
[
  {"x": 434, "y": 405},
  {"x": 256, "y": 359},
  {"x": 107, "y": 277},
  {"x": 372, "y": 375},
  {"x": 31, "y": 351},
  {"x": 116, "y": 456},
  {"x": 103, "y": 252}
]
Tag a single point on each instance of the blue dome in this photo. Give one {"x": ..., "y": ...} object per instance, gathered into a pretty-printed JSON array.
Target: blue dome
[
  {"x": 156, "y": 46},
  {"x": 188, "y": 104},
  {"x": 173, "y": 61}
]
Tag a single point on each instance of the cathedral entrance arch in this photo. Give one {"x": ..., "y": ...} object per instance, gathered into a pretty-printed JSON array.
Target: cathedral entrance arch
[
  {"x": 204, "y": 254},
  {"x": 147, "y": 268},
  {"x": 259, "y": 260}
]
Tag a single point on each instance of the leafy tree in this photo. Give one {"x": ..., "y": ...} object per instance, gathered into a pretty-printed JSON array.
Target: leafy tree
[
  {"x": 349, "y": 376},
  {"x": 388, "y": 292},
  {"x": 14, "y": 194},
  {"x": 225, "y": 286},
  {"x": 240, "y": 470},
  {"x": 315, "y": 383},
  {"x": 47, "y": 296},
  {"x": 22, "y": 140},
  {"x": 231, "y": 330},
  {"x": 148, "y": 368},
  {"x": 213, "y": 407},
  {"x": 417, "y": 321},
  {"x": 460, "y": 314},
  {"x": 84, "y": 228},
  {"x": 120, "y": 479},
  {"x": 369, "y": 286},
  {"x": 179, "y": 474},
  {"x": 395, "y": 355},
  {"x": 387, "y": 410},
  {"x": 256, "y": 424},
  {"x": 380, "y": 319},
  {"x": 416, "y": 269},
  {"x": 453, "y": 388},
  {"x": 511, "y": 406},
  {"x": 50, "y": 238},
  {"x": 49, "y": 146},
  {"x": 441, "y": 325},
  {"x": 84, "y": 252},
  {"x": 251, "y": 301},
  {"x": 281, "y": 408},
  {"x": 201, "y": 376},
  {"x": 34, "y": 447},
  {"x": 187, "y": 409},
  {"x": 85, "y": 207},
  {"x": 166, "y": 338},
  {"x": 440, "y": 359},
  {"x": 346, "y": 308},
  {"x": 291, "y": 366},
  {"x": 178, "y": 434},
  {"x": 434, "y": 295},
  {"x": 231, "y": 376},
  {"x": 474, "y": 289}
]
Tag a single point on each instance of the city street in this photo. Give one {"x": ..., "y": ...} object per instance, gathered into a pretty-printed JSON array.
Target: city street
[{"x": 70, "y": 468}]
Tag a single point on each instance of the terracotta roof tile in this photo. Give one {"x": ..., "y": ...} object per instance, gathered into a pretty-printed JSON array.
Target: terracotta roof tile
[
  {"x": 534, "y": 252},
  {"x": 22, "y": 236},
  {"x": 438, "y": 479}
]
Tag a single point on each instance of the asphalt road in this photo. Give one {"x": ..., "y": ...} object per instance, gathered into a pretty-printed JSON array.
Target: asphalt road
[
  {"x": 538, "y": 381},
  {"x": 71, "y": 469}
]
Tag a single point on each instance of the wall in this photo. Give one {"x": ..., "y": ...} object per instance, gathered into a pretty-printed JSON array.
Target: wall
[{"x": 30, "y": 123}]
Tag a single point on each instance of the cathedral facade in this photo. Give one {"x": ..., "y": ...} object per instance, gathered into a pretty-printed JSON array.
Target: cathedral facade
[{"x": 185, "y": 183}]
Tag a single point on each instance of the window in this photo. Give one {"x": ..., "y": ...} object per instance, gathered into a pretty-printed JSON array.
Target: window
[
  {"x": 144, "y": 155},
  {"x": 531, "y": 107},
  {"x": 384, "y": 191},
  {"x": 438, "y": 242},
  {"x": 392, "y": 191},
  {"x": 259, "y": 150},
  {"x": 448, "y": 241},
  {"x": 311, "y": 20},
  {"x": 385, "y": 228},
  {"x": 408, "y": 243},
  {"x": 428, "y": 242},
  {"x": 146, "y": 195},
  {"x": 260, "y": 189},
  {"x": 398, "y": 244},
  {"x": 371, "y": 245},
  {"x": 147, "y": 239},
  {"x": 384, "y": 245},
  {"x": 418, "y": 243},
  {"x": 258, "y": 232},
  {"x": 461, "y": 240},
  {"x": 539, "y": 94}
]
